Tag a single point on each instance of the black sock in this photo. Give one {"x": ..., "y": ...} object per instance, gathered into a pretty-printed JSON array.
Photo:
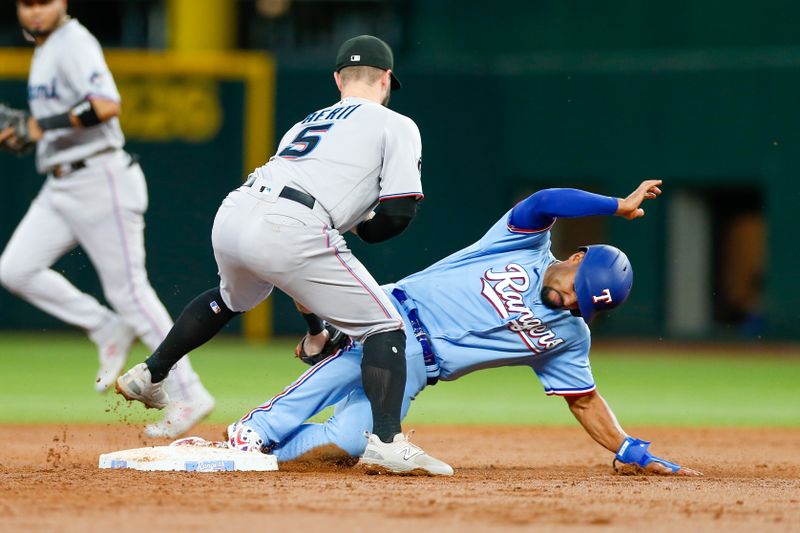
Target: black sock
[
  {"x": 198, "y": 323},
  {"x": 383, "y": 373},
  {"x": 315, "y": 325}
]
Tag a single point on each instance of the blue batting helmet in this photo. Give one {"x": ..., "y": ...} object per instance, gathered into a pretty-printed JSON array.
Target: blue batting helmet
[{"x": 603, "y": 280}]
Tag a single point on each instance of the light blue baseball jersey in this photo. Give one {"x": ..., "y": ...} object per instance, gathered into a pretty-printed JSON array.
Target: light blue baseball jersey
[{"x": 481, "y": 307}]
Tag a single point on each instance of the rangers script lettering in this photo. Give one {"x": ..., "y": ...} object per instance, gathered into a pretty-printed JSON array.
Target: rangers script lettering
[{"x": 506, "y": 297}]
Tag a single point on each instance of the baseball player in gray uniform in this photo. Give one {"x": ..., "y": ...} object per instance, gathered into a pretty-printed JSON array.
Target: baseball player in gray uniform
[
  {"x": 351, "y": 166},
  {"x": 94, "y": 196}
]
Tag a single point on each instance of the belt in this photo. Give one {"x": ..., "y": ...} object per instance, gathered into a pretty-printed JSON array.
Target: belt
[
  {"x": 68, "y": 168},
  {"x": 431, "y": 366},
  {"x": 65, "y": 169},
  {"x": 296, "y": 195}
]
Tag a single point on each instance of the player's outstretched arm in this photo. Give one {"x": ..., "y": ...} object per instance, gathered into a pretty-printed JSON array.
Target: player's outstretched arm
[
  {"x": 599, "y": 421},
  {"x": 542, "y": 208}
]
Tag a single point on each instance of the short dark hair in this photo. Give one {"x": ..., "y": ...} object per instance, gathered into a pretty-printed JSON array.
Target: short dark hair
[{"x": 361, "y": 73}]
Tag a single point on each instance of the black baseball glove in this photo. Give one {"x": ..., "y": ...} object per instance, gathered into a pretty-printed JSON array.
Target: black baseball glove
[
  {"x": 16, "y": 119},
  {"x": 336, "y": 341}
]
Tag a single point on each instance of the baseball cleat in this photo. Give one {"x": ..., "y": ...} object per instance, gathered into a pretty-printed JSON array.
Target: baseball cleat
[
  {"x": 401, "y": 457},
  {"x": 136, "y": 384},
  {"x": 112, "y": 353},
  {"x": 244, "y": 438},
  {"x": 180, "y": 417}
]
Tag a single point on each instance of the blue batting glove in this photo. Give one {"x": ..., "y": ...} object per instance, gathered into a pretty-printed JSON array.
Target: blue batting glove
[{"x": 634, "y": 451}]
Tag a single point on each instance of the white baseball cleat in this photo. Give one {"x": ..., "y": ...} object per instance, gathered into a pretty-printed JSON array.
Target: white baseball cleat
[
  {"x": 401, "y": 457},
  {"x": 113, "y": 341},
  {"x": 136, "y": 384},
  {"x": 180, "y": 417},
  {"x": 244, "y": 438}
]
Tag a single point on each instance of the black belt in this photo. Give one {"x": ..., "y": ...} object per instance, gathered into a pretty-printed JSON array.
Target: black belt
[
  {"x": 66, "y": 169},
  {"x": 296, "y": 195},
  {"x": 431, "y": 365}
]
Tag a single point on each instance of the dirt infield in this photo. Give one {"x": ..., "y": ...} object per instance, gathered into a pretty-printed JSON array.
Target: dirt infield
[{"x": 513, "y": 479}]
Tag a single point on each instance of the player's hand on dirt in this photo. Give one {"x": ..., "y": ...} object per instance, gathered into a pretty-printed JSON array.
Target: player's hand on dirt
[
  {"x": 629, "y": 207},
  {"x": 658, "y": 468}
]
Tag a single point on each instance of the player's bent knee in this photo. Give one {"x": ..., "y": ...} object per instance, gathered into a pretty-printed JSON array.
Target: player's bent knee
[
  {"x": 14, "y": 276},
  {"x": 381, "y": 347}
]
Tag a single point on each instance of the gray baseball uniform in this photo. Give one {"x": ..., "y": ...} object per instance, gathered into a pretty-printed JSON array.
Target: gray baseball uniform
[
  {"x": 98, "y": 202},
  {"x": 348, "y": 157}
]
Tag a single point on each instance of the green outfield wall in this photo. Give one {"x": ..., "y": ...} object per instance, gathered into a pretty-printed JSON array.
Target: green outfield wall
[{"x": 496, "y": 127}]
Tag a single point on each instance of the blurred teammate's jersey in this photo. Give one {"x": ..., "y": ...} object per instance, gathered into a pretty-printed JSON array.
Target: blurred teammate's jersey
[
  {"x": 348, "y": 157},
  {"x": 67, "y": 69}
]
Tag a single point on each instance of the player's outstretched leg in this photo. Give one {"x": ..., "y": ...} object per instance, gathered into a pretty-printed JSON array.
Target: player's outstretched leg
[{"x": 203, "y": 318}]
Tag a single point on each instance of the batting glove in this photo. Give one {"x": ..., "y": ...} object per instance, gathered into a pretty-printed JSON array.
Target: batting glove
[{"x": 634, "y": 451}]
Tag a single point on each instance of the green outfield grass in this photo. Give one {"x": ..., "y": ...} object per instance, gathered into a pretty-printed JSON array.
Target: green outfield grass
[{"x": 48, "y": 378}]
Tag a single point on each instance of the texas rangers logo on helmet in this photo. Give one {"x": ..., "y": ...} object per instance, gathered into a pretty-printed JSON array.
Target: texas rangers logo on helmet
[{"x": 605, "y": 297}]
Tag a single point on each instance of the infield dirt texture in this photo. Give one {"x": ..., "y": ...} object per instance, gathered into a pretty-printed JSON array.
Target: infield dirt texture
[
  {"x": 522, "y": 463},
  {"x": 514, "y": 479}
]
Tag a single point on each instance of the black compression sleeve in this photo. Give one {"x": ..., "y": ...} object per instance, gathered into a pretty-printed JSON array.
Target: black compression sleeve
[
  {"x": 84, "y": 112},
  {"x": 54, "y": 122},
  {"x": 391, "y": 218}
]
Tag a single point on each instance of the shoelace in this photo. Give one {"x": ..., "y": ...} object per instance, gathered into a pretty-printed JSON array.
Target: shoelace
[{"x": 408, "y": 441}]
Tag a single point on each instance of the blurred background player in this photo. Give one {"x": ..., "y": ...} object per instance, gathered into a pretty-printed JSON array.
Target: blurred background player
[
  {"x": 503, "y": 301},
  {"x": 284, "y": 228},
  {"x": 94, "y": 196}
]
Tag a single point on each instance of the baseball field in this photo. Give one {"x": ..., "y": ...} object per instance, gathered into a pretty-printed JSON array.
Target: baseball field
[{"x": 521, "y": 460}]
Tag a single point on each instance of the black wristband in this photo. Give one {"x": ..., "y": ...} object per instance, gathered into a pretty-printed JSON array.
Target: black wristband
[
  {"x": 86, "y": 114},
  {"x": 54, "y": 122},
  {"x": 315, "y": 324}
]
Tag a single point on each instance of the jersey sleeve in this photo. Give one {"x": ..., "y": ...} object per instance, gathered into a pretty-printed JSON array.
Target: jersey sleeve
[
  {"x": 541, "y": 209},
  {"x": 85, "y": 69},
  {"x": 503, "y": 238},
  {"x": 402, "y": 159},
  {"x": 566, "y": 372}
]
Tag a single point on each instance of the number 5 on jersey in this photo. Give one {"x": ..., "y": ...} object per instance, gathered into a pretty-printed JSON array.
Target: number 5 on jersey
[{"x": 305, "y": 142}]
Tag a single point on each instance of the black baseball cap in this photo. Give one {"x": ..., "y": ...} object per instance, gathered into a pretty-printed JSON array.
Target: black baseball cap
[{"x": 366, "y": 50}]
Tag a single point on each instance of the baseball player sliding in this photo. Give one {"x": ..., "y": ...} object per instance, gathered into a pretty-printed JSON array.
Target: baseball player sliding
[
  {"x": 284, "y": 229},
  {"x": 94, "y": 196},
  {"x": 503, "y": 301}
]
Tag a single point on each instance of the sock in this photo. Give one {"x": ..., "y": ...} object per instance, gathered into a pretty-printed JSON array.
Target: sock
[
  {"x": 315, "y": 325},
  {"x": 383, "y": 373},
  {"x": 198, "y": 323}
]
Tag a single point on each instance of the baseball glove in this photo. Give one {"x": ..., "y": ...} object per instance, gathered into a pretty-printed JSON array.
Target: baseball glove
[
  {"x": 336, "y": 341},
  {"x": 16, "y": 119}
]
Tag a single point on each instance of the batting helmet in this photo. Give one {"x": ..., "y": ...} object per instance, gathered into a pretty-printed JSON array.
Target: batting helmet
[{"x": 603, "y": 280}]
